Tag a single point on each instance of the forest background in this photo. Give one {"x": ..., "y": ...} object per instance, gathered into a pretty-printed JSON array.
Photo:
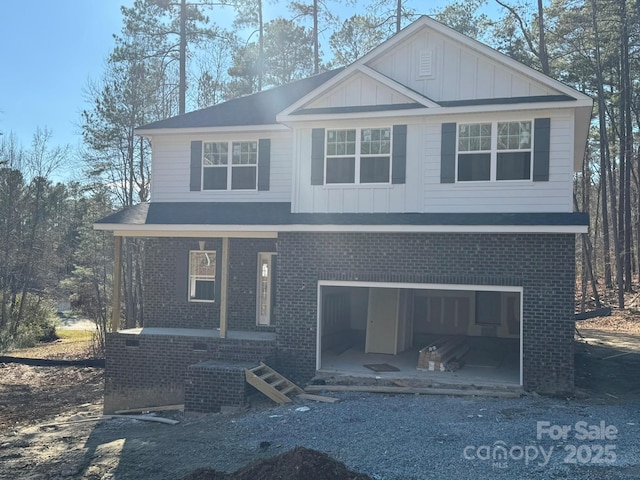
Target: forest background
[{"x": 172, "y": 57}]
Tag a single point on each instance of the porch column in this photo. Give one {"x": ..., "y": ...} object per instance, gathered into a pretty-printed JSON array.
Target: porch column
[
  {"x": 224, "y": 282},
  {"x": 117, "y": 284}
]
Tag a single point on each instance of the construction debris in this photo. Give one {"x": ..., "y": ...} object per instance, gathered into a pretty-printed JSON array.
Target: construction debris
[
  {"x": 266, "y": 380},
  {"x": 317, "y": 398},
  {"x": 164, "y": 408},
  {"x": 144, "y": 418},
  {"x": 446, "y": 354},
  {"x": 510, "y": 393}
]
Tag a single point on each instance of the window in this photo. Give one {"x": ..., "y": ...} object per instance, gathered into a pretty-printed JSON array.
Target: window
[
  {"x": 264, "y": 290},
  {"x": 360, "y": 155},
  {"x": 514, "y": 151},
  {"x": 202, "y": 275},
  {"x": 229, "y": 165},
  {"x": 494, "y": 151}
]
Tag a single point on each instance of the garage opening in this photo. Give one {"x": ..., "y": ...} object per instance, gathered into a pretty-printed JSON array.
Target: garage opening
[{"x": 456, "y": 334}]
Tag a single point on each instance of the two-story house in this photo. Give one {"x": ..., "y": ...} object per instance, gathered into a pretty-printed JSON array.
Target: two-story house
[{"x": 356, "y": 215}]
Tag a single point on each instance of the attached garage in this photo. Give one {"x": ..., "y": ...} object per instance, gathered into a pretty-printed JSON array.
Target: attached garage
[{"x": 374, "y": 328}]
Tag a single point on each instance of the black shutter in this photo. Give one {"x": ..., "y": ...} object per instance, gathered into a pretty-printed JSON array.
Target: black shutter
[
  {"x": 399, "y": 155},
  {"x": 541, "y": 142},
  {"x": 317, "y": 156},
  {"x": 182, "y": 277},
  {"x": 196, "y": 166},
  {"x": 264, "y": 163},
  {"x": 448, "y": 153}
]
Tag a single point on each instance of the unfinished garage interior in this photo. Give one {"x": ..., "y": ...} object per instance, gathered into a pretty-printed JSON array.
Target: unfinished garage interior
[{"x": 450, "y": 334}]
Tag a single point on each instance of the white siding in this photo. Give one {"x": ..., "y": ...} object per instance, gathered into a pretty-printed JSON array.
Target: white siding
[
  {"x": 459, "y": 72},
  {"x": 423, "y": 191},
  {"x": 359, "y": 90},
  {"x": 172, "y": 157},
  {"x": 356, "y": 198}
]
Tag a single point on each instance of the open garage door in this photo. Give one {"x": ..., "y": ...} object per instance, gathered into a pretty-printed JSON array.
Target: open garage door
[{"x": 361, "y": 324}]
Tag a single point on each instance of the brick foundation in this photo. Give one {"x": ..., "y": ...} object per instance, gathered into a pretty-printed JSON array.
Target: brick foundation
[{"x": 145, "y": 370}]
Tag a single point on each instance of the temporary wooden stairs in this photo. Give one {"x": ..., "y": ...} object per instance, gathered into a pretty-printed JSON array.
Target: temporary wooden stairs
[{"x": 272, "y": 384}]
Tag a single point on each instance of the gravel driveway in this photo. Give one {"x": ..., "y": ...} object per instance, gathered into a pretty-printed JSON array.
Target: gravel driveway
[{"x": 403, "y": 437}]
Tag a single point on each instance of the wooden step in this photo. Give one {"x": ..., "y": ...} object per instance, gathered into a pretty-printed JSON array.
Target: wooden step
[{"x": 278, "y": 388}]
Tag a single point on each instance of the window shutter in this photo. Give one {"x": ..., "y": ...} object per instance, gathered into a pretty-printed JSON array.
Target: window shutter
[
  {"x": 264, "y": 163},
  {"x": 182, "y": 276},
  {"x": 448, "y": 153},
  {"x": 195, "y": 182},
  {"x": 541, "y": 143},
  {"x": 399, "y": 154},
  {"x": 317, "y": 156}
]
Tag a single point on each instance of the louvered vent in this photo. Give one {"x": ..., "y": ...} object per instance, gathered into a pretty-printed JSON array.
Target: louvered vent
[{"x": 425, "y": 66}]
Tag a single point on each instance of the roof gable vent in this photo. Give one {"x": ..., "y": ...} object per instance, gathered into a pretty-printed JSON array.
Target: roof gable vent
[{"x": 425, "y": 64}]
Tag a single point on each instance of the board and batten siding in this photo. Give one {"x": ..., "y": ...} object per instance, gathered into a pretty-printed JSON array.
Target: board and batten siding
[
  {"x": 423, "y": 191},
  {"x": 359, "y": 90},
  {"x": 457, "y": 71},
  {"x": 388, "y": 198},
  {"x": 171, "y": 169}
]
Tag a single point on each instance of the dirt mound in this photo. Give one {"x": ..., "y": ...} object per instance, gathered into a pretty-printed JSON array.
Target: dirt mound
[{"x": 297, "y": 464}]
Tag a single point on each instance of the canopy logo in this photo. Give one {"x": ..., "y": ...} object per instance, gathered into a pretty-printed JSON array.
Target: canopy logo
[{"x": 499, "y": 454}]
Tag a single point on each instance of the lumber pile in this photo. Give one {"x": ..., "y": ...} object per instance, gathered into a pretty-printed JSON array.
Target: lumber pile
[{"x": 446, "y": 354}]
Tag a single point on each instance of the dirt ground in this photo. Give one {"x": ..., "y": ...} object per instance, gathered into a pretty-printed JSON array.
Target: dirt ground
[
  {"x": 607, "y": 353},
  {"x": 608, "y": 357},
  {"x": 31, "y": 394}
]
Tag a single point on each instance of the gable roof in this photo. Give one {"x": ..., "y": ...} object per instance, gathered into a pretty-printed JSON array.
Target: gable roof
[
  {"x": 256, "y": 109},
  {"x": 427, "y": 22}
]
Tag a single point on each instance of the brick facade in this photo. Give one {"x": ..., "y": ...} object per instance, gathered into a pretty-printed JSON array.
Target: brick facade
[
  {"x": 145, "y": 370},
  {"x": 165, "y": 285},
  {"x": 150, "y": 369},
  {"x": 543, "y": 264}
]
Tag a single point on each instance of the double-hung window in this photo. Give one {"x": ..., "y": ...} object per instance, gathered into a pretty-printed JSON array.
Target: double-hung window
[
  {"x": 202, "y": 275},
  {"x": 494, "y": 151},
  {"x": 230, "y": 165},
  {"x": 358, "y": 155}
]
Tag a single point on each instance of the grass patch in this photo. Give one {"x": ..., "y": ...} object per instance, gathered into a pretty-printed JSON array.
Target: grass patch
[{"x": 74, "y": 335}]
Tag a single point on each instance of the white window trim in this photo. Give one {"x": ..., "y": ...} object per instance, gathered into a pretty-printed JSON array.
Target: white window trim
[
  {"x": 494, "y": 153},
  {"x": 191, "y": 287},
  {"x": 229, "y": 166},
  {"x": 358, "y": 157}
]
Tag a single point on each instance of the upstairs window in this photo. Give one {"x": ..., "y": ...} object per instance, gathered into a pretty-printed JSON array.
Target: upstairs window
[
  {"x": 494, "y": 151},
  {"x": 513, "y": 161},
  {"x": 230, "y": 165},
  {"x": 359, "y": 155}
]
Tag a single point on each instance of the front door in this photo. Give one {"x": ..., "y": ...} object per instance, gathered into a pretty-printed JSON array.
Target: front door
[{"x": 264, "y": 292}]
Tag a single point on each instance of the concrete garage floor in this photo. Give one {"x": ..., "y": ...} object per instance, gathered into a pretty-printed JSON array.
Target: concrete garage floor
[{"x": 484, "y": 367}]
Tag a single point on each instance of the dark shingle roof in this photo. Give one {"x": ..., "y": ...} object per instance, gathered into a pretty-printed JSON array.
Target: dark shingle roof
[
  {"x": 258, "y": 109},
  {"x": 279, "y": 213}
]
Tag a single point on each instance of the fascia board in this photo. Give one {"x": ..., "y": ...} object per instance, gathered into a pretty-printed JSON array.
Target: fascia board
[
  {"x": 276, "y": 127},
  {"x": 442, "y": 111},
  {"x": 231, "y": 230}
]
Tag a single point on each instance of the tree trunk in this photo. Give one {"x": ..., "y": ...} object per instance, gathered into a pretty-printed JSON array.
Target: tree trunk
[
  {"x": 542, "y": 42},
  {"x": 182, "y": 88}
]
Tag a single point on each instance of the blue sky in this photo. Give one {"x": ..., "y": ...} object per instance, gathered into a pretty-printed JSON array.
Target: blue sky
[{"x": 52, "y": 49}]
